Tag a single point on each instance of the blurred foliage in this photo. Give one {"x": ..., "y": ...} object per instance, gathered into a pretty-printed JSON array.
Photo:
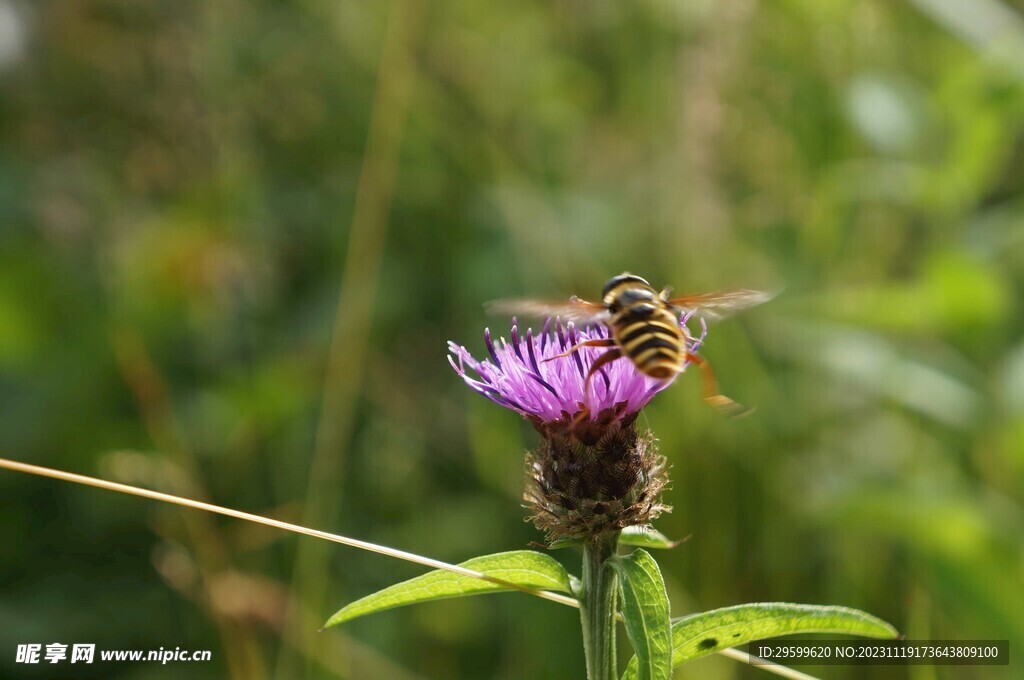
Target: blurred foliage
[{"x": 180, "y": 185}]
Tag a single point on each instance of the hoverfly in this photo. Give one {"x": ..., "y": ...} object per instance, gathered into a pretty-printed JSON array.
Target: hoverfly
[{"x": 645, "y": 327}]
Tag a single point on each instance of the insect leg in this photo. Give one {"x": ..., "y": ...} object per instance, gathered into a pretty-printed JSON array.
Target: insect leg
[
  {"x": 598, "y": 342},
  {"x": 709, "y": 389},
  {"x": 606, "y": 358}
]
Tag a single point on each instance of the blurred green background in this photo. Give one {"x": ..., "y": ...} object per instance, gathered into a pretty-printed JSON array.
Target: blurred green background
[{"x": 236, "y": 235}]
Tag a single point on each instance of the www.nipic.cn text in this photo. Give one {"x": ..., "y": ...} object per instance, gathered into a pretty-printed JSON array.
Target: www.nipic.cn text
[{"x": 58, "y": 652}]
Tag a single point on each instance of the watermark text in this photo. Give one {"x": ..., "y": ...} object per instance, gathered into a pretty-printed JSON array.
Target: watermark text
[{"x": 77, "y": 653}]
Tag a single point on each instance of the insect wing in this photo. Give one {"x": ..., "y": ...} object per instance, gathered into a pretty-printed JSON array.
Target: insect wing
[
  {"x": 575, "y": 310},
  {"x": 714, "y": 306}
]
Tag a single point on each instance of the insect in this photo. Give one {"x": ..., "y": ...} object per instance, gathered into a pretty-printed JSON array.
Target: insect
[{"x": 645, "y": 327}]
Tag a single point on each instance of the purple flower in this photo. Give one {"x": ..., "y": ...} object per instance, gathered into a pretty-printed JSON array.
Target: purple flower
[{"x": 518, "y": 377}]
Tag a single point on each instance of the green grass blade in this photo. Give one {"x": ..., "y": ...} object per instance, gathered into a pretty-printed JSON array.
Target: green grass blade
[
  {"x": 522, "y": 567},
  {"x": 697, "y": 635},
  {"x": 645, "y": 613}
]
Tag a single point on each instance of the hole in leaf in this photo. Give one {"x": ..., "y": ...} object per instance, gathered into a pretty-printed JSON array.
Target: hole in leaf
[{"x": 708, "y": 643}]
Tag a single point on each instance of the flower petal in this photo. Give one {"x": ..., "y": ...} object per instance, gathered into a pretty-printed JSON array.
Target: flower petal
[{"x": 548, "y": 390}]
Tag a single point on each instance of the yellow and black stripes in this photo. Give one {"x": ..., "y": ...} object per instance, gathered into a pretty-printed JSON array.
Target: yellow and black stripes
[
  {"x": 644, "y": 328},
  {"x": 618, "y": 284}
]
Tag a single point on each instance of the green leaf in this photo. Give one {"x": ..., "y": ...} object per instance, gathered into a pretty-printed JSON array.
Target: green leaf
[
  {"x": 697, "y": 635},
  {"x": 646, "y": 536},
  {"x": 522, "y": 567},
  {"x": 645, "y": 613}
]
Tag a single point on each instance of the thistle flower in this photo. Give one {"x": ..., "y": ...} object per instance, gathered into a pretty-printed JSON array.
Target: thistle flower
[
  {"x": 593, "y": 473},
  {"x": 551, "y": 393}
]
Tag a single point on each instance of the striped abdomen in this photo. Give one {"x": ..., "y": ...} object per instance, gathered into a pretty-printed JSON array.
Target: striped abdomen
[{"x": 648, "y": 333}]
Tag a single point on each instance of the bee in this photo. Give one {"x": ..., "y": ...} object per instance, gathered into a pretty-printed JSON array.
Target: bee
[{"x": 645, "y": 326}]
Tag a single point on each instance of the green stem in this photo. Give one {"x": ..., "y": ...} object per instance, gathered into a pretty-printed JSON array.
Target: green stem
[{"x": 597, "y": 607}]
